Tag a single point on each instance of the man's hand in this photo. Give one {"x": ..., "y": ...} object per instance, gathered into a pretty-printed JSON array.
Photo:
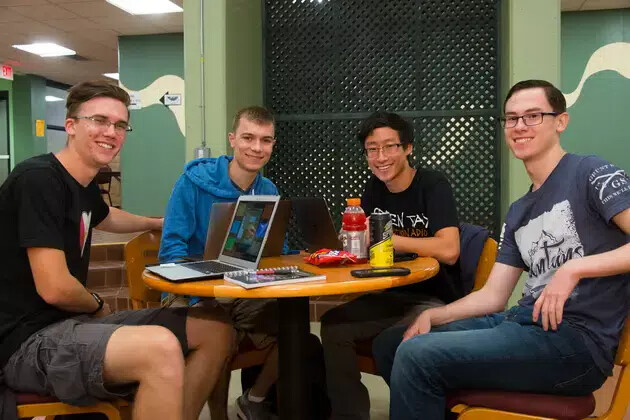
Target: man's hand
[
  {"x": 550, "y": 303},
  {"x": 421, "y": 325},
  {"x": 105, "y": 310}
]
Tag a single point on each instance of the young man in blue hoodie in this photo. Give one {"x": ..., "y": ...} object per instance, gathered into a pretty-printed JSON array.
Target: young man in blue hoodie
[{"x": 223, "y": 179}]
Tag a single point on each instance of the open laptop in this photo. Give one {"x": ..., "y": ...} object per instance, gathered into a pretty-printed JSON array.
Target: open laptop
[
  {"x": 219, "y": 221},
  {"x": 242, "y": 247},
  {"x": 315, "y": 223}
]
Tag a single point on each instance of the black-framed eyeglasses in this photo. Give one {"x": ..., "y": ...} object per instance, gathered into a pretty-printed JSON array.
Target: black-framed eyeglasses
[
  {"x": 388, "y": 150},
  {"x": 103, "y": 123},
  {"x": 533, "y": 118}
]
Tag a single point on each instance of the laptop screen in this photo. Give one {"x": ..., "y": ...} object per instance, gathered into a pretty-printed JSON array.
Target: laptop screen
[{"x": 248, "y": 229}]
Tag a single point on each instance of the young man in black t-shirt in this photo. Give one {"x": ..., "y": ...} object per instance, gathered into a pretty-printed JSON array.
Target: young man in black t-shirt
[
  {"x": 57, "y": 337},
  {"x": 424, "y": 218}
]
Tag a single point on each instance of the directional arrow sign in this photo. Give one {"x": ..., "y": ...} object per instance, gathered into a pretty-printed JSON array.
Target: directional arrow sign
[{"x": 169, "y": 99}]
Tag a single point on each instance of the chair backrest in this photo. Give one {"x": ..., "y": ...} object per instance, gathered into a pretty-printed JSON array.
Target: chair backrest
[
  {"x": 140, "y": 251},
  {"x": 485, "y": 263},
  {"x": 623, "y": 351},
  {"x": 104, "y": 176}
]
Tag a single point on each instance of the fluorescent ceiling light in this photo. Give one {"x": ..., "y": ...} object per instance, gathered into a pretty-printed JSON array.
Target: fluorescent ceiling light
[
  {"x": 50, "y": 98},
  {"x": 45, "y": 49},
  {"x": 146, "y": 7},
  {"x": 112, "y": 75}
]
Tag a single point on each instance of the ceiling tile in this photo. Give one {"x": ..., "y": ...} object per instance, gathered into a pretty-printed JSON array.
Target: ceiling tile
[
  {"x": 103, "y": 36},
  {"x": 164, "y": 19},
  {"x": 37, "y": 31},
  {"x": 129, "y": 25},
  {"x": 605, "y": 4},
  {"x": 92, "y": 9},
  {"x": 7, "y": 15},
  {"x": 73, "y": 25},
  {"x": 22, "y": 2},
  {"x": 571, "y": 5},
  {"x": 43, "y": 12}
]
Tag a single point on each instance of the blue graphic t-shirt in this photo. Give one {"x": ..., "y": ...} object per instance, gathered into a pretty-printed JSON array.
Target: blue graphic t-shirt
[{"x": 570, "y": 216}]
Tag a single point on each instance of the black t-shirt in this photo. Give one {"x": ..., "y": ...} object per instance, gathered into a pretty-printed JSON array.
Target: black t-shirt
[
  {"x": 421, "y": 210},
  {"x": 41, "y": 205}
]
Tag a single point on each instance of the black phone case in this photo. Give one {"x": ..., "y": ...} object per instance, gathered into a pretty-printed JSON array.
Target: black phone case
[{"x": 381, "y": 272}]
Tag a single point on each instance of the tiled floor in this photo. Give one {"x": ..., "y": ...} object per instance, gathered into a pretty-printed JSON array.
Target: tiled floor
[{"x": 379, "y": 392}]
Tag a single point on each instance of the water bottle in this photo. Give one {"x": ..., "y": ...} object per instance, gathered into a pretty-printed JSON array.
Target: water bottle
[{"x": 354, "y": 229}]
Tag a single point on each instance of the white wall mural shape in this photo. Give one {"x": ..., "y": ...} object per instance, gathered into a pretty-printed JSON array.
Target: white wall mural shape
[
  {"x": 161, "y": 91},
  {"x": 615, "y": 57}
]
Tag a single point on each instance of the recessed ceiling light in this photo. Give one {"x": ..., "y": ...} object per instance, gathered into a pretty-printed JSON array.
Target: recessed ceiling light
[
  {"x": 112, "y": 75},
  {"x": 50, "y": 98},
  {"x": 146, "y": 7},
  {"x": 45, "y": 49}
]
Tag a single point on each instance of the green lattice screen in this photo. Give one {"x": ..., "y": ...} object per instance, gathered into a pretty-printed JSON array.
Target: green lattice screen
[{"x": 329, "y": 64}]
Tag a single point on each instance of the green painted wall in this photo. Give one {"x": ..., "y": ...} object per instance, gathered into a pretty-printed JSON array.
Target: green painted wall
[
  {"x": 530, "y": 49},
  {"x": 28, "y": 105},
  {"x": 8, "y": 86},
  {"x": 153, "y": 156},
  {"x": 599, "y": 117},
  {"x": 233, "y": 68}
]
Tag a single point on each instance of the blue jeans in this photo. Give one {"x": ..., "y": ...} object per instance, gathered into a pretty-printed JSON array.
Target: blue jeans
[{"x": 504, "y": 351}]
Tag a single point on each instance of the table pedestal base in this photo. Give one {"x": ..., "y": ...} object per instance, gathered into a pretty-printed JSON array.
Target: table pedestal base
[{"x": 292, "y": 336}]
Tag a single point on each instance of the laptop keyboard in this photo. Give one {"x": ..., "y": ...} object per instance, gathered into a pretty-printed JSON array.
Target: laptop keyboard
[{"x": 210, "y": 267}]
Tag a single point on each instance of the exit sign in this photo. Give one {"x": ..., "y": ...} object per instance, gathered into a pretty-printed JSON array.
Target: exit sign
[{"x": 6, "y": 72}]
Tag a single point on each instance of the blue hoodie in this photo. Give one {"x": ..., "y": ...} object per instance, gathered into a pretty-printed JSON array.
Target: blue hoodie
[{"x": 204, "y": 181}]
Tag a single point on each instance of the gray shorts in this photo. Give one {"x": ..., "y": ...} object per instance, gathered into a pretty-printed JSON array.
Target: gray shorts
[
  {"x": 65, "y": 359},
  {"x": 256, "y": 319}
]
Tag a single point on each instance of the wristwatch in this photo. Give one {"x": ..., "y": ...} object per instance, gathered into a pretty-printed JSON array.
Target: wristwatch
[{"x": 98, "y": 300}]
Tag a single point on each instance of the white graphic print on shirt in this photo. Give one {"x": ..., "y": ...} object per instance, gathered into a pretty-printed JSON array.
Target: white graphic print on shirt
[
  {"x": 419, "y": 224},
  {"x": 609, "y": 185},
  {"x": 547, "y": 242}
]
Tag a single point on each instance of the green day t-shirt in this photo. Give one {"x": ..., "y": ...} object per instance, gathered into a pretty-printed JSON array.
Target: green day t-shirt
[
  {"x": 421, "y": 210},
  {"x": 570, "y": 216}
]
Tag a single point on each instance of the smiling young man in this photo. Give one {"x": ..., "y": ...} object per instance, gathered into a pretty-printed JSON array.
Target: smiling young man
[
  {"x": 569, "y": 233},
  {"x": 223, "y": 179},
  {"x": 424, "y": 219},
  {"x": 58, "y": 338}
]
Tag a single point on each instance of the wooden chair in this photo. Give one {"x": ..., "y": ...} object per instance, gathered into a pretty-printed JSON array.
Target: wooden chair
[
  {"x": 365, "y": 360},
  {"x": 505, "y": 405},
  {"x": 143, "y": 250},
  {"x": 104, "y": 180},
  {"x": 32, "y": 405}
]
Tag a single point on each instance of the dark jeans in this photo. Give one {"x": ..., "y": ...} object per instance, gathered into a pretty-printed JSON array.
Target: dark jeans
[
  {"x": 501, "y": 351},
  {"x": 361, "y": 319}
]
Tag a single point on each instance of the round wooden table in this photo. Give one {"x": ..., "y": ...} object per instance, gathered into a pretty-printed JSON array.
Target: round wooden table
[{"x": 293, "y": 313}]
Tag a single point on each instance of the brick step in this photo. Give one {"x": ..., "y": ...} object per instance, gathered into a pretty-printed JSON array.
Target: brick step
[
  {"x": 107, "y": 252},
  {"x": 106, "y": 274},
  {"x": 116, "y": 297}
]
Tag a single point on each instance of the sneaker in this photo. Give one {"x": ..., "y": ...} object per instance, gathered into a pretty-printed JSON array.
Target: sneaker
[{"x": 249, "y": 410}]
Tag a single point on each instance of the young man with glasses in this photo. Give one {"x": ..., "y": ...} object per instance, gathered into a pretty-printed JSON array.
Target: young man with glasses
[
  {"x": 223, "y": 179},
  {"x": 424, "y": 219},
  {"x": 59, "y": 338},
  {"x": 569, "y": 232}
]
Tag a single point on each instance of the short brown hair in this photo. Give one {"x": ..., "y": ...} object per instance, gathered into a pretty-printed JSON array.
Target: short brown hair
[
  {"x": 554, "y": 96},
  {"x": 258, "y": 114},
  {"x": 84, "y": 91}
]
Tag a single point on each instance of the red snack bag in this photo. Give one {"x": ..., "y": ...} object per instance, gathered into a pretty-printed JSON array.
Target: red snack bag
[{"x": 327, "y": 256}]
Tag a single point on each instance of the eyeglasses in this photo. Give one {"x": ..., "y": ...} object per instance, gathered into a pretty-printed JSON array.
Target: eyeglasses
[
  {"x": 103, "y": 123},
  {"x": 388, "y": 150},
  {"x": 535, "y": 118}
]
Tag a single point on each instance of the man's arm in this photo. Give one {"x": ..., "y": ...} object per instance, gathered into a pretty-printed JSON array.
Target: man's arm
[
  {"x": 443, "y": 246},
  {"x": 57, "y": 286},
  {"x": 550, "y": 303},
  {"x": 120, "y": 221},
  {"x": 489, "y": 299}
]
